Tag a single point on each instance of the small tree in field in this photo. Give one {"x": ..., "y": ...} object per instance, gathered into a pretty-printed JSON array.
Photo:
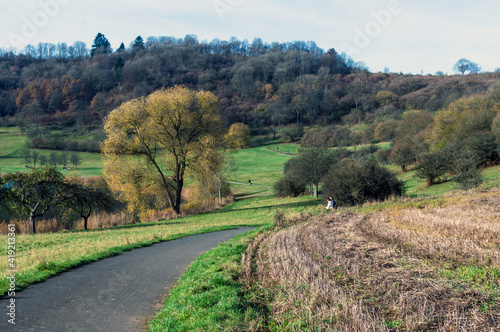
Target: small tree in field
[
  {"x": 310, "y": 167},
  {"x": 88, "y": 197},
  {"x": 43, "y": 160},
  {"x": 53, "y": 159},
  {"x": 238, "y": 136},
  {"x": 63, "y": 159},
  {"x": 26, "y": 153},
  {"x": 292, "y": 132},
  {"x": 38, "y": 191},
  {"x": 75, "y": 159},
  {"x": 432, "y": 166},
  {"x": 35, "y": 157}
]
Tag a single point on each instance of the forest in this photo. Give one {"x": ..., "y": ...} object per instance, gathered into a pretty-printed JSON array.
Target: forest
[{"x": 266, "y": 86}]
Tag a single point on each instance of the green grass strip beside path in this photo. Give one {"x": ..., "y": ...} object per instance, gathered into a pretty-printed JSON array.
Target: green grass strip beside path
[{"x": 208, "y": 296}]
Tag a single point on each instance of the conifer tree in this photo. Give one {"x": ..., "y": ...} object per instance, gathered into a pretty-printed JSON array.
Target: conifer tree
[{"x": 101, "y": 45}]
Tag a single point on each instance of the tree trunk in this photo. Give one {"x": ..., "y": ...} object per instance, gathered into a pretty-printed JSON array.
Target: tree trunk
[
  {"x": 178, "y": 192},
  {"x": 315, "y": 194},
  {"x": 32, "y": 222},
  {"x": 85, "y": 219},
  {"x": 220, "y": 191}
]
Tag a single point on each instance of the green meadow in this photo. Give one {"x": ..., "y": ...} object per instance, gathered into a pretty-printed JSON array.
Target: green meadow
[{"x": 12, "y": 142}]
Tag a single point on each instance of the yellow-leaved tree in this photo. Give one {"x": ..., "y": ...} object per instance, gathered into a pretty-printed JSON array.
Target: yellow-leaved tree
[
  {"x": 153, "y": 140},
  {"x": 238, "y": 136}
]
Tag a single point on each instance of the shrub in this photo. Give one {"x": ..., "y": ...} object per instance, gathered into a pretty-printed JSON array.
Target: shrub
[
  {"x": 466, "y": 173},
  {"x": 353, "y": 182},
  {"x": 482, "y": 145},
  {"x": 382, "y": 156},
  {"x": 288, "y": 187},
  {"x": 292, "y": 132}
]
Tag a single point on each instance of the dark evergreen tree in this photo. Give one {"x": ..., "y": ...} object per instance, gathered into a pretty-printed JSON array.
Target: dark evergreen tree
[
  {"x": 101, "y": 45},
  {"x": 121, "y": 48},
  {"x": 138, "y": 44},
  {"x": 118, "y": 69}
]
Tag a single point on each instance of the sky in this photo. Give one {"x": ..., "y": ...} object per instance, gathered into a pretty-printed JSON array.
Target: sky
[{"x": 406, "y": 36}]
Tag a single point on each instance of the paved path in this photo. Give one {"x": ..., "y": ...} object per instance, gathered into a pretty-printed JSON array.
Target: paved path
[
  {"x": 248, "y": 184},
  {"x": 120, "y": 293}
]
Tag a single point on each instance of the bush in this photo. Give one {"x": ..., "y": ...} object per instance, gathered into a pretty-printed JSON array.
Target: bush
[
  {"x": 287, "y": 187},
  {"x": 466, "y": 174},
  {"x": 353, "y": 182},
  {"x": 292, "y": 132},
  {"x": 382, "y": 156},
  {"x": 482, "y": 145}
]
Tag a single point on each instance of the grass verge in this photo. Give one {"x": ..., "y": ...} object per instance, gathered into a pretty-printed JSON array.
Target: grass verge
[{"x": 209, "y": 296}]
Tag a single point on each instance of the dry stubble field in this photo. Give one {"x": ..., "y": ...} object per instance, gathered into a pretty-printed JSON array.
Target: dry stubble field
[{"x": 426, "y": 268}]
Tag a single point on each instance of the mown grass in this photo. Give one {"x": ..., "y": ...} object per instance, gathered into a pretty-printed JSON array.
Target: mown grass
[
  {"x": 11, "y": 144},
  {"x": 260, "y": 164}
]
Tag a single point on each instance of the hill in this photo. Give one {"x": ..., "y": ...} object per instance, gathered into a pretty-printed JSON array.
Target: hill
[{"x": 266, "y": 86}]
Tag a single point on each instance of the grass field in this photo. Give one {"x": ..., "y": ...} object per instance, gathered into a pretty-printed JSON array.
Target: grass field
[
  {"x": 260, "y": 164},
  {"x": 12, "y": 142}
]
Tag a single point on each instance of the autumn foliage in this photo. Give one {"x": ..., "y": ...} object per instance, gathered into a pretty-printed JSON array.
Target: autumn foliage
[{"x": 153, "y": 141}]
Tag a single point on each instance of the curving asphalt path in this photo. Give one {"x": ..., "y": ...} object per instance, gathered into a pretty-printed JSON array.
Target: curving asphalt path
[{"x": 120, "y": 293}]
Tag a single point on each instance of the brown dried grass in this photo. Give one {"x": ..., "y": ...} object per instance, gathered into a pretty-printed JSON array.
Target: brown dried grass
[
  {"x": 380, "y": 272},
  {"x": 52, "y": 225}
]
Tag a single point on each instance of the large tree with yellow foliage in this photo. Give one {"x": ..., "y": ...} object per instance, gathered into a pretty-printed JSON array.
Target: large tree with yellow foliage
[{"x": 152, "y": 141}]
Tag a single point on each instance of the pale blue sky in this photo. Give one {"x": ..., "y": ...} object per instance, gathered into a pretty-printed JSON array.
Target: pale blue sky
[{"x": 403, "y": 35}]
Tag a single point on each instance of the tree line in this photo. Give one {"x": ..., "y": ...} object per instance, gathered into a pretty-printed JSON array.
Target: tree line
[{"x": 33, "y": 158}]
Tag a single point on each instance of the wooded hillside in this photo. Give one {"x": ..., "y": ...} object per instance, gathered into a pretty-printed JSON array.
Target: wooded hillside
[{"x": 262, "y": 85}]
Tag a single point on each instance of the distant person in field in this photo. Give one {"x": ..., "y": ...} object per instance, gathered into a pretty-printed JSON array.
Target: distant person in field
[
  {"x": 250, "y": 182},
  {"x": 330, "y": 204}
]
